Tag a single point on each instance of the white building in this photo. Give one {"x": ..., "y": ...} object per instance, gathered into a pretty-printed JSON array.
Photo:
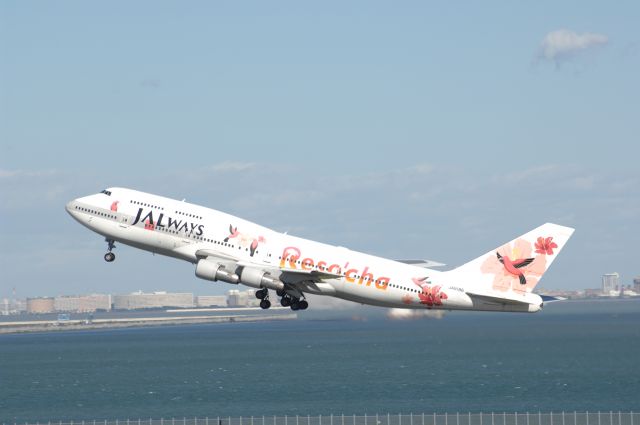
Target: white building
[
  {"x": 211, "y": 301},
  {"x": 610, "y": 284},
  {"x": 246, "y": 298}
]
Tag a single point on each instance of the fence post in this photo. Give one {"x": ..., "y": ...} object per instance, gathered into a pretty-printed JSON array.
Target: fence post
[
  {"x": 446, "y": 418},
  {"x": 563, "y": 417},
  {"x": 492, "y": 419},
  {"x": 516, "y": 416},
  {"x": 342, "y": 419},
  {"x": 619, "y": 418},
  {"x": 551, "y": 417},
  {"x": 527, "y": 417}
]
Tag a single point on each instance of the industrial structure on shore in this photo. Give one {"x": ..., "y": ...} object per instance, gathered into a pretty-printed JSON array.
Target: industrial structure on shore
[
  {"x": 135, "y": 301},
  {"x": 610, "y": 287}
]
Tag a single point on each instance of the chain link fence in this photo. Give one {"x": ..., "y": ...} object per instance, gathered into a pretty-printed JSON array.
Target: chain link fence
[{"x": 538, "y": 418}]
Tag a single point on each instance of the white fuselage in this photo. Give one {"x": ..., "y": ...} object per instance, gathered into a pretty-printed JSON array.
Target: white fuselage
[{"x": 186, "y": 231}]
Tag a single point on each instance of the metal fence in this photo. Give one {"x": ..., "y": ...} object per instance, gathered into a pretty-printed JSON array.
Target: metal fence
[{"x": 539, "y": 418}]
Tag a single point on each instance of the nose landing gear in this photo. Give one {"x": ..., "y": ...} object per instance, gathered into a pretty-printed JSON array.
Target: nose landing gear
[{"x": 110, "y": 256}]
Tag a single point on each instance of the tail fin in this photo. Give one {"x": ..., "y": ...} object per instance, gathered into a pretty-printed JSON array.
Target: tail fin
[{"x": 518, "y": 265}]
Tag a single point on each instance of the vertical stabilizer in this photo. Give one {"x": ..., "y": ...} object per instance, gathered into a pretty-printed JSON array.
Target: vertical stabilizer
[{"x": 517, "y": 266}]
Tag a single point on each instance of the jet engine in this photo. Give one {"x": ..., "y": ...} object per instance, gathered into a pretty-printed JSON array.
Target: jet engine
[
  {"x": 210, "y": 270},
  {"x": 260, "y": 279}
]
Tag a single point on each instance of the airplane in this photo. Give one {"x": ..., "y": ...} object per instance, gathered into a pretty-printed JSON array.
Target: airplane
[{"x": 229, "y": 249}]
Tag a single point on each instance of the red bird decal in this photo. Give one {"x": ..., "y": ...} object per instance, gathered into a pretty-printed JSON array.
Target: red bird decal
[{"x": 514, "y": 266}]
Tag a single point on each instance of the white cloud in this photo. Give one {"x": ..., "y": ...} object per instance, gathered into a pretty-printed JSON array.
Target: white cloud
[
  {"x": 232, "y": 166},
  {"x": 562, "y": 44},
  {"x": 7, "y": 174}
]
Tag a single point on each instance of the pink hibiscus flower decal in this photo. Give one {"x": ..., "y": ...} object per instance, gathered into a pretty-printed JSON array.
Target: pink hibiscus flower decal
[
  {"x": 430, "y": 295},
  {"x": 503, "y": 280},
  {"x": 545, "y": 246}
]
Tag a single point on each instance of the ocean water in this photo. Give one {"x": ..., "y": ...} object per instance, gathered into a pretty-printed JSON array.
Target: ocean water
[{"x": 574, "y": 356}]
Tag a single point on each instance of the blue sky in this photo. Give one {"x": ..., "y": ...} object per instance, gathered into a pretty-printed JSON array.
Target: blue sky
[{"x": 417, "y": 129}]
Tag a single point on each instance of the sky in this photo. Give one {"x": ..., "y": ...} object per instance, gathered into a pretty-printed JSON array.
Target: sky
[{"x": 435, "y": 130}]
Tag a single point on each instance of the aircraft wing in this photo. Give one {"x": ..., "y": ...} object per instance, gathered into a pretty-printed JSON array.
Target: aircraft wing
[
  {"x": 315, "y": 275},
  {"x": 204, "y": 253},
  {"x": 422, "y": 263}
]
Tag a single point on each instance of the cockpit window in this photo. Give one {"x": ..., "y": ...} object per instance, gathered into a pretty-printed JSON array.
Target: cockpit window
[{"x": 106, "y": 192}]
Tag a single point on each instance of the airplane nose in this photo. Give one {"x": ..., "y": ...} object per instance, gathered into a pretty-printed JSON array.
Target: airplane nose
[{"x": 70, "y": 207}]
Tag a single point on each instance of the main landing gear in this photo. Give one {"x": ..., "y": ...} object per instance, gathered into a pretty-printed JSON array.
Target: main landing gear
[
  {"x": 110, "y": 256},
  {"x": 263, "y": 295},
  {"x": 286, "y": 300},
  {"x": 293, "y": 302}
]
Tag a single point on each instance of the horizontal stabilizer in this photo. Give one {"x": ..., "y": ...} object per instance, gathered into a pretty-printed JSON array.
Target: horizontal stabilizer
[
  {"x": 496, "y": 299},
  {"x": 549, "y": 298}
]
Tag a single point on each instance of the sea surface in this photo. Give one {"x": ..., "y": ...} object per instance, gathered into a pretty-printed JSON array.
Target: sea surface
[{"x": 572, "y": 356}]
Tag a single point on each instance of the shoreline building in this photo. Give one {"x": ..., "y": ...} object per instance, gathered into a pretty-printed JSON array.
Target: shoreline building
[
  {"x": 211, "y": 301},
  {"x": 82, "y": 303},
  {"x": 140, "y": 300},
  {"x": 40, "y": 305},
  {"x": 610, "y": 284}
]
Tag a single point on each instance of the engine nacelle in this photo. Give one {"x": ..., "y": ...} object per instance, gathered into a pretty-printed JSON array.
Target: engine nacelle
[
  {"x": 210, "y": 270},
  {"x": 260, "y": 279}
]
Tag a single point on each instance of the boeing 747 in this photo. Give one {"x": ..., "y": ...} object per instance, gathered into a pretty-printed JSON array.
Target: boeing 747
[{"x": 229, "y": 249}]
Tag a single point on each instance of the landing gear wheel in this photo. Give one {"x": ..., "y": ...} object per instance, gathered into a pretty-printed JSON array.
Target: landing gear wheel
[
  {"x": 295, "y": 305},
  {"x": 280, "y": 292},
  {"x": 262, "y": 294},
  {"x": 265, "y": 304},
  {"x": 285, "y": 301},
  {"x": 303, "y": 305},
  {"x": 110, "y": 256}
]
